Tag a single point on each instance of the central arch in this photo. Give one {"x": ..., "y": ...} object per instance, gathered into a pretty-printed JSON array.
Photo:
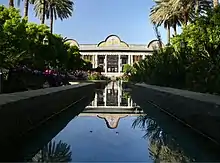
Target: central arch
[{"x": 112, "y": 40}]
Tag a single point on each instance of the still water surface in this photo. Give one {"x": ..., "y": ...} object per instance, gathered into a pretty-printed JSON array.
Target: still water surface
[{"x": 114, "y": 128}]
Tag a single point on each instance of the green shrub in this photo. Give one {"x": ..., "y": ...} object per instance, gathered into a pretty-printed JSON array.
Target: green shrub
[
  {"x": 192, "y": 61},
  {"x": 97, "y": 76}
]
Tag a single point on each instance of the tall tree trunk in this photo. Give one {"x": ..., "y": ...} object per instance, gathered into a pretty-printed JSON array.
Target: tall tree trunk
[
  {"x": 168, "y": 34},
  {"x": 43, "y": 12},
  {"x": 197, "y": 8},
  {"x": 11, "y": 3},
  {"x": 26, "y": 5},
  {"x": 215, "y": 3},
  {"x": 51, "y": 19},
  {"x": 185, "y": 17},
  {"x": 158, "y": 35},
  {"x": 175, "y": 30}
]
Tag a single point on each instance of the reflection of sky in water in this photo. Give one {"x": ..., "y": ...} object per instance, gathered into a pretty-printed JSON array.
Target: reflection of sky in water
[
  {"x": 112, "y": 128},
  {"x": 103, "y": 144}
]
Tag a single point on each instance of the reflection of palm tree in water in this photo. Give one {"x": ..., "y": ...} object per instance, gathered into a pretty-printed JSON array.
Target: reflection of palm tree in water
[
  {"x": 162, "y": 147},
  {"x": 53, "y": 152},
  {"x": 153, "y": 132}
]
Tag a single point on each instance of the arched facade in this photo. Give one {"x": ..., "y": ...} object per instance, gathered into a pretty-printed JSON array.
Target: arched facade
[
  {"x": 113, "y": 53},
  {"x": 112, "y": 40},
  {"x": 72, "y": 42},
  {"x": 154, "y": 44}
]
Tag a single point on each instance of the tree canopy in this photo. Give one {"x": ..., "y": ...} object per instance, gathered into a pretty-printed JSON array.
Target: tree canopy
[
  {"x": 22, "y": 44},
  {"x": 192, "y": 61}
]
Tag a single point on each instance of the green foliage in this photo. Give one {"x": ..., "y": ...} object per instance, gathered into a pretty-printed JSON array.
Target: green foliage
[
  {"x": 128, "y": 69},
  {"x": 96, "y": 76},
  {"x": 54, "y": 152},
  {"x": 22, "y": 44},
  {"x": 126, "y": 95},
  {"x": 54, "y": 9},
  {"x": 192, "y": 61},
  {"x": 173, "y": 13},
  {"x": 13, "y": 42},
  {"x": 87, "y": 65}
]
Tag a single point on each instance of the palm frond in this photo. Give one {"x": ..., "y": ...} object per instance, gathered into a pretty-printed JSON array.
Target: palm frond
[{"x": 53, "y": 152}]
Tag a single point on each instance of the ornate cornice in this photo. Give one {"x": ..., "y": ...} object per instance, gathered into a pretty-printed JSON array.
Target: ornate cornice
[{"x": 112, "y": 120}]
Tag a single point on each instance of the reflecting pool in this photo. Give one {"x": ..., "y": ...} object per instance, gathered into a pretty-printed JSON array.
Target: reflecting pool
[{"x": 113, "y": 128}]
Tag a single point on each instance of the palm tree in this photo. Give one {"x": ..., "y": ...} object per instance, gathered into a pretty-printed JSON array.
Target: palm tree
[
  {"x": 161, "y": 14},
  {"x": 54, "y": 9},
  {"x": 177, "y": 12},
  {"x": 11, "y": 3},
  {"x": 215, "y": 3},
  {"x": 40, "y": 9},
  {"x": 160, "y": 44},
  {"x": 53, "y": 152},
  {"x": 58, "y": 8},
  {"x": 189, "y": 9},
  {"x": 26, "y": 5},
  {"x": 175, "y": 21}
]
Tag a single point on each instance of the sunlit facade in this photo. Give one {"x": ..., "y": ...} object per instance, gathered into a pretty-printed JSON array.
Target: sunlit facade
[{"x": 112, "y": 54}]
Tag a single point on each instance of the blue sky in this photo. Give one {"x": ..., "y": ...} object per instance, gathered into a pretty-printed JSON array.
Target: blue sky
[{"x": 94, "y": 20}]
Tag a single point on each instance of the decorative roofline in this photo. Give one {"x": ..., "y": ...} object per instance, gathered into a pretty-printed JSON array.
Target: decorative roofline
[{"x": 112, "y": 35}]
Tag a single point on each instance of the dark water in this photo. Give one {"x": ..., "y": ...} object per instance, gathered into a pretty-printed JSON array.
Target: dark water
[{"x": 113, "y": 128}]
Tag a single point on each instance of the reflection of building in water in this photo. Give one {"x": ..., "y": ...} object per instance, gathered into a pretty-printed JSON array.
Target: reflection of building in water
[
  {"x": 112, "y": 96},
  {"x": 112, "y": 104},
  {"x": 111, "y": 120}
]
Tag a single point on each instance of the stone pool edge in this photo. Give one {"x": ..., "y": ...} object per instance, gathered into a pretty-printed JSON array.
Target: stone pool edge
[
  {"x": 22, "y": 111},
  {"x": 199, "y": 111}
]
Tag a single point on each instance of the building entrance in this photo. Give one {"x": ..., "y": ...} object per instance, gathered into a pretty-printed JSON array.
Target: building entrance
[{"x": 112, "y": 63}]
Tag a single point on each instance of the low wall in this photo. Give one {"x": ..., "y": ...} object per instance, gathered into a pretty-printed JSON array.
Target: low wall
[
  {"x": 200, "y": 112},
  {"x": 25, "y": 148},
  {"x": 22, "y": 112}
]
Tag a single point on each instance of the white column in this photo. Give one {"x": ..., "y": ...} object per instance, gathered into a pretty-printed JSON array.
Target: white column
[
  {"x": 129, "y": 59},
  {"x": 95, "y": 100},
  {"x": 96, "y": 60},
  {"x": 119, "y": 96},
  {"x": 131, "y": 103},
  {"x": 132, "y": 59},
  {"x": 105, "y": 61},
  {"x": 143, "y": 56},
  {"x": 119, "y": 63},
  {"x": 129, "y": 99},
  {"x": 93, "y": 60},
  {"x": 105, "y": 96}
]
